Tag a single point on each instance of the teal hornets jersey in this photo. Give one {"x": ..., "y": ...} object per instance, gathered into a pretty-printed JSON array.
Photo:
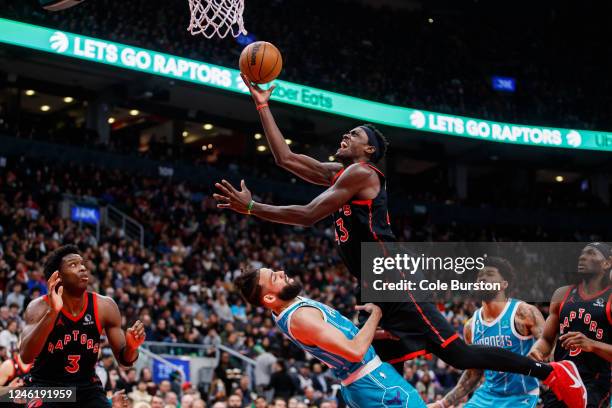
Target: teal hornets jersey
[
  {"x": 340, "y": 366},
  {"x": 502, "y": 333}
]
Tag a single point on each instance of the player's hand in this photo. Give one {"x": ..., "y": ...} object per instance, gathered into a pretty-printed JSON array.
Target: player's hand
[
  {"x": 135, "y": 335},
  {"x": 572, "y": 340},
  {"x": 260, "y": 96},
  {"x": 536, "y": 355},
  {"x": 382, "y": 334},
  {"x": 370, "y": 308},
  {"x": 55, "y": 298},
  {"x": 232, "y": 198},
  {"x": 17, "y": 382},
  {"x": 120, "y": 400}
]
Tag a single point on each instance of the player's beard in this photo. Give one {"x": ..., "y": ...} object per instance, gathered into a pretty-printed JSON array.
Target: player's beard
[
  {"x": 291, "y": 291},
  {"x": 485, "y": 295}
]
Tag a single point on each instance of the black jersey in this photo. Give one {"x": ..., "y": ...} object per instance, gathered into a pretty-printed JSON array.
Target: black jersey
[
  {"x": 70, "y": 352},
  {"x": 360, "y": 221},
  {"x": 592, "y": 317}
]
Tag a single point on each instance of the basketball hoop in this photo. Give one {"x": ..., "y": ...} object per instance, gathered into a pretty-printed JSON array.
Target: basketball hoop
[{"x": 220, "y": 17}]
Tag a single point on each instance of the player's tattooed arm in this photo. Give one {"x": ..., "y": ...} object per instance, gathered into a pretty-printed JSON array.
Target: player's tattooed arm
[
  {"x": 303, "y": 166},
  {"x": 542, "y": 348},
  {"x": 529, "y": 321},
  {"x": 470, "y": 379}
]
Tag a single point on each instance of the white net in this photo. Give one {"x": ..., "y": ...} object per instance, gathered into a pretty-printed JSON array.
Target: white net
[{"x": 216, "y": 17}]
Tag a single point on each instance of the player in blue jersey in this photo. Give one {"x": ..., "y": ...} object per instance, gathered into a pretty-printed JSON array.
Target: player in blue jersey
[
  {"x": 332, "y": 338},
  {"x": 501, "y": 322}
]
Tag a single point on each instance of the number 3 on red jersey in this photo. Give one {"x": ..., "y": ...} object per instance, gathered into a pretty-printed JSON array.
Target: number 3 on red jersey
[
  {"x": 73, "y": 361},
  {"x": 344, "y": 233}
]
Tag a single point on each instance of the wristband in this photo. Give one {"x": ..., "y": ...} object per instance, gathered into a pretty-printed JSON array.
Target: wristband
[
  {"x": 260, "y": 107},
  {"x": 250, "y": 206},
  {"x": 123, "y": 361}
]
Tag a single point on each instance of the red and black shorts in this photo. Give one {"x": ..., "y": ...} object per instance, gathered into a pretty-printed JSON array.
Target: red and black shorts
[{"x": 421, "y": 327}]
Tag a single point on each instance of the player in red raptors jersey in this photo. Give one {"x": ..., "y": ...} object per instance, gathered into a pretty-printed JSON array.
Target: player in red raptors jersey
[
  {"x": 63, "y": 328},
  {"x": 356, "y": 199},
  {"x": 580, "y": 324}
]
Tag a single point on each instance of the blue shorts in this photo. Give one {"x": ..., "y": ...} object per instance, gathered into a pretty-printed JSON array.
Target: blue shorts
[
  {"x": 485, "y": 399},
  {"x": 383, "y": 387}
]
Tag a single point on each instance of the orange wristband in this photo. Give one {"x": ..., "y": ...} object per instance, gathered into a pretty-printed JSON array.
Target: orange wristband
[{"x": 260, "y": 107}]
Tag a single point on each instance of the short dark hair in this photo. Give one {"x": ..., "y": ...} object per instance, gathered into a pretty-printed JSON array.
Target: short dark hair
[
  {"x": 382, "y": 141},
  {"x": 248, "y": 286},
  {"x": 503, "y": 266},
  {"x": 54, "y": 260}
]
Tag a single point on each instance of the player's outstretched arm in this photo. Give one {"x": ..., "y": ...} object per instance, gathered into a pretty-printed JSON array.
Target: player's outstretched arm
[
  {"x": 354, "y": 179},
  {"x": 308, "y": 326},
  {"x": 544, "y": 345},
  {"x": 301, "y": 165},
  {"x": 469, "y": 381},
  {"x": 124, "y": 344},
  {"x": 39, "y": 320}
]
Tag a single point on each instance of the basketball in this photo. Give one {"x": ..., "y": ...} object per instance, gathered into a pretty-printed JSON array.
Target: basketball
[{"x": 261, "y": 62}]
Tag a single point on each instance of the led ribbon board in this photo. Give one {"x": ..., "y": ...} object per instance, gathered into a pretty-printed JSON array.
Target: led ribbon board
[{"x": 170, "y": 66}]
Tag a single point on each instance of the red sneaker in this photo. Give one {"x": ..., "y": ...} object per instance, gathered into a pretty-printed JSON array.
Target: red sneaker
[{"x": 566, "y": 383}]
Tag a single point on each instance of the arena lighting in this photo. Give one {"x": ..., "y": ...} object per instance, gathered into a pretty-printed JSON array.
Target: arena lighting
[
  {"x": 30, "y": 92},
  {"x": 134, "y": 112},
  {"x": 261, "y": 148},
  {"x": 257, "y": 136},
  {"x": 111, "y": 120},
  {"x": 559, "y": 179},
  {"x": 210, "y": 146},
  {"x": 331, "y": 158},
  {"x": 185, "y": 133},
  {"x": 204, "y": 148},
  {"x": 288, "y": 141},
  {"x": 177, "y": 68},
  {"x": 208, "y": 126},
  {"x": 45, "y": 108},
  {"x": 68, "y": 99},
  {"x": 430, "y": 20}
]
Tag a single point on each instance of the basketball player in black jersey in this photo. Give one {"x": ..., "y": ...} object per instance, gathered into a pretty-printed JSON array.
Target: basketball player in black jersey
[
  {"x": 356, "y": 198},
  {"x": 580, "y": 326},
  {"x": 63, "y": 328}
]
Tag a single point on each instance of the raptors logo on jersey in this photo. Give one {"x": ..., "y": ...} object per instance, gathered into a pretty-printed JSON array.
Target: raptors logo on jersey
[
  {"x": 73, "y": 345},
  {"x": 360, "y": 221},
  {"x": 590, "y": 315}
]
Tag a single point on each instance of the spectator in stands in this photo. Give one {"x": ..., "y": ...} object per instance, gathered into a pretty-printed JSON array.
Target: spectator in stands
[
  {"x": 234, "y": 401},
  {"x": 171, "y": 399},
  {"x": 8, "y": 336},
  {"x": 140, "y": 393},
  {"x": 4, "y": 317},
  {"x": 264, "y": 368},
  {"x": 223, "y": 310},
  {"x": 281, "y": 382},
  {"x": 319, "y": 382},
  {"x": 16, "y": 296},
  {"x": 157, "y": 402}
]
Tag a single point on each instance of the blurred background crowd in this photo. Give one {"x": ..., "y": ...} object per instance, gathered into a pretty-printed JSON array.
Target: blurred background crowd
[{"x": 177, "y": 277}]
